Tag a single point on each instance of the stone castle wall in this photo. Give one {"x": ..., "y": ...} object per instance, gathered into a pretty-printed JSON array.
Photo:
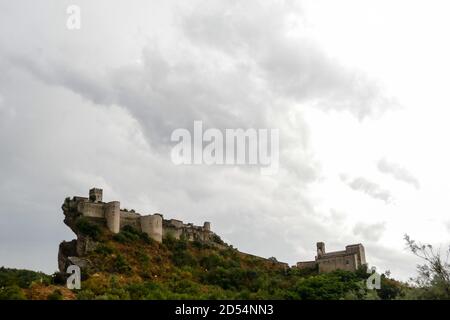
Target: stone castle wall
[
  {"x": 154, "y": 225},
  {"x": 349, "y": 259}
]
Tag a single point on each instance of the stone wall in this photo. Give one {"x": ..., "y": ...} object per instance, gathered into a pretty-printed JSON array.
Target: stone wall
[
  {"x": 349, "y": 259},
  {"x": 153, "y": 226},
  {"x": 178, "y": 229},
  {"x": 130, "y": 219},
  {"x": 306, "y": 264},
  {"x": 342, "y": 262},
  {"x": 116, "y": 219},
  {"x": 112, "y": 216},
  {"x": 91, "y": 209}
]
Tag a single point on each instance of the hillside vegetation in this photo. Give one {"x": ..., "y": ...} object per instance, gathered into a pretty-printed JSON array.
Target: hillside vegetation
[{"x": 129, "y": 265}]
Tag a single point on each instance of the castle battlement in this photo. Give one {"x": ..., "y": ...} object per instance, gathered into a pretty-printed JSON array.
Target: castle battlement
[{"x": 115, "y": 219}]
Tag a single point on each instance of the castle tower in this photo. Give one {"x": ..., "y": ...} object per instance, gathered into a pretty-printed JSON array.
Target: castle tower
[
  {"x": 358, "y": 250},
  {"x": 96, "y": 195},
  {"x": 112, "y": 216},
  {"x": 207, "y": 226},
  {"x": 152, "y": 226},
  {"x": 320, "y": 249}
]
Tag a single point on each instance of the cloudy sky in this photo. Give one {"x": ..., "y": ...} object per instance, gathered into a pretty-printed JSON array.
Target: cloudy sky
[{"x": 358, "y": 90}]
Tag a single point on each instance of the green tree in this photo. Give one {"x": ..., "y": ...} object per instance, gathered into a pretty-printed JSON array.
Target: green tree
[{"x": 433, "y": 280}]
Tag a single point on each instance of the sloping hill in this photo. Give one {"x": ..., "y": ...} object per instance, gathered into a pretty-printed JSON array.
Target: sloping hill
[{"x": 129, "y": 265}]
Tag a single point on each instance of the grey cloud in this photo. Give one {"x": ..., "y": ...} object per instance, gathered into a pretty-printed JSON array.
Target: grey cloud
[
  {"x": 370, "y": 188},
  {"x": 398, "y": 172},
  {"x": 370, "y": 232},
  {"x": 399, "y": 262},
  {"x": 74, "y": 119},
  {"x": 264, "y": 66},
  {"x": 60, "y": 145},
  {"x": 292, "y": 66}
]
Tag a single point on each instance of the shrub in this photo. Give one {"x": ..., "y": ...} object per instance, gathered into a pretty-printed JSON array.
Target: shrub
[
  {"x": 143, "y": 258},
  {"x": 59, "y": 278},
  {"x": 217, "y": 239},
  {"x": 121, "y": 264},
  {"x": 11, "y": 293},
  {"x": 330, "y": 286},
  {"x": 169, "y": 240},
  {"x": 21, "y": 278},
  {"x": 183, "y": 258},
  {"x": 144, "y": 237},
  {"x": 390, "y": 289},
  {"x": 211, "y": 261},
  {"x": 55, "y": 295},
  {"x": 88, "y": 228},
  {"x": 130, "y": 234},
  {"x": 104, "y": 249}
]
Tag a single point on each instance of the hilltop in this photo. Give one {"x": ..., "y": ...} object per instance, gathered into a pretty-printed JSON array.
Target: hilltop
[
  {"x": 125, "y": 255},
  {"x": 129, "y": 265}
]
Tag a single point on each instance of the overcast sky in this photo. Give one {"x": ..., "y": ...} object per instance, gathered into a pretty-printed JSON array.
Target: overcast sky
[{"x": 358, "y": 90}]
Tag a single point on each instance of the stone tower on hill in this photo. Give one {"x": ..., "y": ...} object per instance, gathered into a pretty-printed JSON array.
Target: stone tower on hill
[
  {"x": 111, "y": 216},
  {"x": 349, "y": 259}
]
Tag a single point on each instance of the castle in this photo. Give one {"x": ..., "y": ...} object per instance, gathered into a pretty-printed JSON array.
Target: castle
[
  {"x": 110, "y": 215},
  {"x": 349, "y": 259},
  {"x": 115, "y": 219}
]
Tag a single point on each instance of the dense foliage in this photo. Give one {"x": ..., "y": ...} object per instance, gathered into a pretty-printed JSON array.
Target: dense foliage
[{"x": 129, "y": 265}]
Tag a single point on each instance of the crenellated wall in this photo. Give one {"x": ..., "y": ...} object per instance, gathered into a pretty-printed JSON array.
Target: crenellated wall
[{"x": 116, "y": 219}]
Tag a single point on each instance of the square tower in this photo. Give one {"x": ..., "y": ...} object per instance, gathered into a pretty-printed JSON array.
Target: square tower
[
  {"x": 320, "y": 249},
  {"x": 96, "y": 195}
]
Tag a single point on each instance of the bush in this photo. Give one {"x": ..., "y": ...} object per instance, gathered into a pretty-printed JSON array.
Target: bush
[
  {"x": 11, "y": 293},
  {"x": 211, "y": 261},
  {"x": 217, "y": 239},
  {"x": 129, "y": 234},
  {"x": 142, "y": 258},
  {"x": 169, "y": 240},
  {"x": 22, "y": 278},
  {"x": 390, "y": 289},
  {"x": 329, "y": 286},
  {"x": 87, "y": 228},
  {"x": 121, "y": 264},
  {"x": 59, "y": 278},
  {"x": 200, "y": 245},
  {"x": 183, "y": 258},
  {"x": 55, "y": 295},
  {"x": 104, "y": 249},
  {"x": 146, "y": 238}
]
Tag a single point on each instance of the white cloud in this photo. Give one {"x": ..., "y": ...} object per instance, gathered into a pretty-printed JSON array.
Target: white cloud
[
  {"x": 370, "y": 232},
  {"x": 371, "y": 189}
]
